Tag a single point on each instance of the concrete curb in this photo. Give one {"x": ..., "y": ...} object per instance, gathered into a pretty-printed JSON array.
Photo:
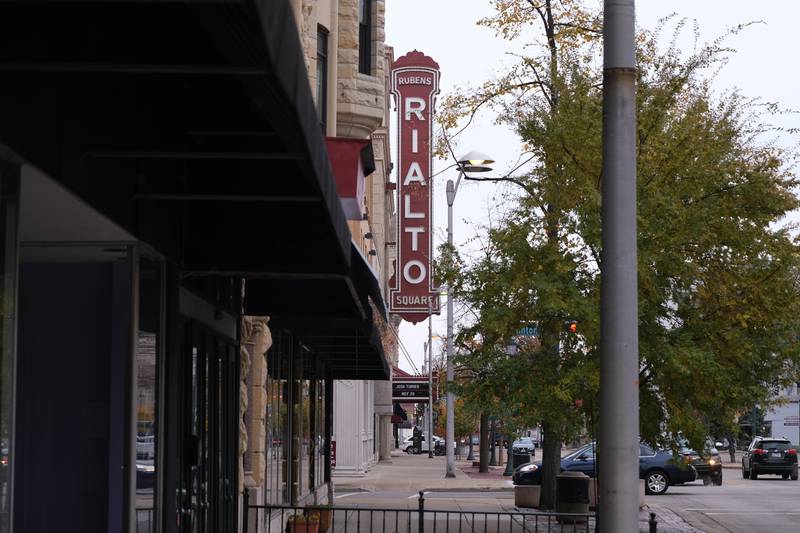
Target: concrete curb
[{"x": 469, "y": 489}]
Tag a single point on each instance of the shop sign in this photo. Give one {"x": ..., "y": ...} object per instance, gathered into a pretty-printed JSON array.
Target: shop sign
[
  {"x": 415, "y": 84},
  {"x": 333, "y": 454},
  {"x": 791, "y": 421}
]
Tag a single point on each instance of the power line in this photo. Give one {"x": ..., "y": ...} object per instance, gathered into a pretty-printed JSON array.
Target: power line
[{"x": 403, "y": 349}]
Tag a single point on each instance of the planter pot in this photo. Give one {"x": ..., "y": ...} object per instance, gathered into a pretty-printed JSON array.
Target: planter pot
[
  {"x": 594, "y": 490},
  {"x": 302, "y": 526},
  {"x": 325, "y": 519},
  {"x": 527, "y": 495}
]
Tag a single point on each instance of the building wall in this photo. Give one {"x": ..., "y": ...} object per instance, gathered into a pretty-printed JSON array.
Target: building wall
[
  {"x": 784, "y": 418},
  {"x": 358, "y": 107}
]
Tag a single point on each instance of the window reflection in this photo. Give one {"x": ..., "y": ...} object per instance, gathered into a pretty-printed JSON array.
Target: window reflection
[
  {"x": 146, "y": 398},
  {"x": 9, "y": 189}
]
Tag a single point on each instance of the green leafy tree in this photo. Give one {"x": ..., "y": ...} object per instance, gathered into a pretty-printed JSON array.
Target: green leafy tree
[{"x": 718, "y": 291}]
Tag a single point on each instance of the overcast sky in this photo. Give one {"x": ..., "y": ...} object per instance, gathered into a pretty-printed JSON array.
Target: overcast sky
[{"x": 765, "y": 66}]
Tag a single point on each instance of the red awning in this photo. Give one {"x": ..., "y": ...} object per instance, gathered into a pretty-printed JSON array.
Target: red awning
[{"x": 352, "y": 161}]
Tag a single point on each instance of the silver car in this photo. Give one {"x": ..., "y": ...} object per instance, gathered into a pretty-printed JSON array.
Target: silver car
[{"x": 523, "y": 445}]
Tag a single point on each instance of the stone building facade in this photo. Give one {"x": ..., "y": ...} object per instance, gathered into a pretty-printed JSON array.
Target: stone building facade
[
  {"x": 357, "y": 107},
  {"x": 351, "y": 92}
]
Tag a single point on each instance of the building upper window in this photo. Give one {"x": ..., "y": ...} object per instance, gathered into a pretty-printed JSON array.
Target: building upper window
[
  {"x": 322, "y": 76},
  {"x": 365, "y": 36}
]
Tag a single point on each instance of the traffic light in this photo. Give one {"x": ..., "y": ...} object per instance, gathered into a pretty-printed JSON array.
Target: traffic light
[{"x": 571, "y": 326}]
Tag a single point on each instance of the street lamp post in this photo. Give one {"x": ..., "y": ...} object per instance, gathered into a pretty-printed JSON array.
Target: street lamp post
[
  {"x": 430, "y": 381},
  {"x": 474, "y": 161}
]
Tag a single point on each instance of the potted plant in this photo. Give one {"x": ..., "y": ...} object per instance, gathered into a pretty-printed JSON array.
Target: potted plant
[
  {"x": 303, "y": 523},
  {"x": 325, "y": 515}
]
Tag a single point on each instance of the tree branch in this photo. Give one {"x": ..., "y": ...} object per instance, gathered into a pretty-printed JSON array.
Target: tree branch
[{"x": 578, "y": 27}]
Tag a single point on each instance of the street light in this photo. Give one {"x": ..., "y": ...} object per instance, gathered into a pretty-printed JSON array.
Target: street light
[{"x": 473, "y": 161}]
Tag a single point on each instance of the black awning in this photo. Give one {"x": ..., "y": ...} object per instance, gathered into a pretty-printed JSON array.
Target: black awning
[
  {"x": 352, "y": 349},
  {"x": 367, "y": 281},
  {"x": 332, "y": 315},
  {"x": 190, "y": 124}
]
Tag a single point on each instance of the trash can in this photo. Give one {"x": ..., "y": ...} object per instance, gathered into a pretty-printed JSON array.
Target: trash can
[
  {"x": 518, "y": 459},
  {"x": 572, "y": 495}
]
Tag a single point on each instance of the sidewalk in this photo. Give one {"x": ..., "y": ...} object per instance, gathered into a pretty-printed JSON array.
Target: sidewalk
[
  {"x": 413, "y": 473},
  {"x": 726, "y": 460}
]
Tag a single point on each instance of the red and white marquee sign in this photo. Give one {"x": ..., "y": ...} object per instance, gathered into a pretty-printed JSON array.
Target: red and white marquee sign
[{"x": 415, "y": 84}]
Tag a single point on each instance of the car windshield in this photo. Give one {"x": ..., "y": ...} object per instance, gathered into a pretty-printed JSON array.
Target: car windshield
[
  {"x": 780, "y": 445},
  {"x": 586, "y": 450}
]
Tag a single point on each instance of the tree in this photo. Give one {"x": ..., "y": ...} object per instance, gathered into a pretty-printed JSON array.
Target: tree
[{"x": 718, "y": 291}]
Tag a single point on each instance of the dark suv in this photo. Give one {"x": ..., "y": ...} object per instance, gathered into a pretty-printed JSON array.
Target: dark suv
[{"x": 769, "y": 456}]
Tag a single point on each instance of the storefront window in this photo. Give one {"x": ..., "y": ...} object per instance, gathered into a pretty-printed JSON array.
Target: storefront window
[
  {"x": 321, "y": 443},
  {"x": 147, "y": 359},
  {"x": 277, "y": 431},
  {"x": 9, "y": 189},
  {"x": 306, "y": 443}
]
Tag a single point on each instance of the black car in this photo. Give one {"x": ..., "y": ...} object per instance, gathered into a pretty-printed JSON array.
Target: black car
[
  {"x": 767, "y": 455},
  {"x": 659, "y": 469},
  {"x": 708, "y": 464}
]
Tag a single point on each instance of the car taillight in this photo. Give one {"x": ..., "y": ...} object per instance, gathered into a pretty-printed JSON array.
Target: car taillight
[
  {"x": 759, "y": 452},
  {"x": 791, "y": 452}
]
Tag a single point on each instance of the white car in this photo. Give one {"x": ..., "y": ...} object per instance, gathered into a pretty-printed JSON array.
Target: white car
[
  {"x": 408, "y": 444},
  {"x": 523, "y": 445}
]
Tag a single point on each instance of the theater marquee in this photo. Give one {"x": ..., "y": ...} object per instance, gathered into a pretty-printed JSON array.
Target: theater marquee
[{"x": 415, "y": 84}]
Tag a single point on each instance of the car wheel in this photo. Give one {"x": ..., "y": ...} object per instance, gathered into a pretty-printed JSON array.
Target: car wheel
[
  {"x": 718, "y": 480},
  {"x": 706, "y": 480},
  {"x": 656, "y": 482},
  {"x": 744, "y": 472},
  {"x": 785, "y": 475},
  {"x": 753, "y": 473},
  {"x": 793, "y": 475}
]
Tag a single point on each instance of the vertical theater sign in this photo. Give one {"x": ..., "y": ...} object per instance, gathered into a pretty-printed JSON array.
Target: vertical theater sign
[{"x": 415, "y": 84}]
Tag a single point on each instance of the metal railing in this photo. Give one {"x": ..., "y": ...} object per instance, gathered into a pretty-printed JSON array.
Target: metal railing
[{"x": 418, "y": 519}]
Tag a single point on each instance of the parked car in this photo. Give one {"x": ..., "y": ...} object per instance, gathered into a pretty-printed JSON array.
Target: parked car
[
  {"x": 500, "y": 441},
  {"x": 767, "y": 455},
  {"x": 523, "y": 445},
  {"x": 658, "y": 468},
  {"x": 408, "y": 444}
]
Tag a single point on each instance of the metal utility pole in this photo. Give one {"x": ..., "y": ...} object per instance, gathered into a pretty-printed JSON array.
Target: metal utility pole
[
  {"x": 430, "y": 381},
  {"x": 619, "y": 338},
  {"x": 474, "y": 161},
  {"x": 450, "y": 430}
]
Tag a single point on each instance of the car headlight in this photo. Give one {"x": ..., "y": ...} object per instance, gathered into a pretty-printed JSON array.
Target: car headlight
[
  {"x": 711, "y": 462},
  {"x": 528, "y": 468}
]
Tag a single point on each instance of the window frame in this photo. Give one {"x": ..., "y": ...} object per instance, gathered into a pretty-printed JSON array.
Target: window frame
[
  {"x": 323, "y": 50},
  {"x": 365, "y": 37}
]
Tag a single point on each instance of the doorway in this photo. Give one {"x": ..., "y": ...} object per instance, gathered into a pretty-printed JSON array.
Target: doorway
[{"x": 207, "y": 484}]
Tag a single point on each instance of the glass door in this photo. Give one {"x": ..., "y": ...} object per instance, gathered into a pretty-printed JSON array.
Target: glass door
[{"x": 210, "y": 432}]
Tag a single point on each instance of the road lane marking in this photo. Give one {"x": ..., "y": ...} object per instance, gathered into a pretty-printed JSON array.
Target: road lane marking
[
  {"x": 417, "y": 495},
  {"x": 347, "y": 494},
  {"x": 779, "y": 513}
]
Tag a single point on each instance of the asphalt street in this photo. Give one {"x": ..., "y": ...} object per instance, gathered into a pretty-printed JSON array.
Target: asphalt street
[{"x": 769, "y": 504}]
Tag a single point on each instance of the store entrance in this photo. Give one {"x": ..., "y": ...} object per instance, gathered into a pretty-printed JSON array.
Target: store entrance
[{"x": 209, "y": 430}]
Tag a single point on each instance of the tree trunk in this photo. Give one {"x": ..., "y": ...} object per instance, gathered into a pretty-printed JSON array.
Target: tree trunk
[
  {"x": 551, "y": 465},
  {"x": 484, "y": 445}
]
